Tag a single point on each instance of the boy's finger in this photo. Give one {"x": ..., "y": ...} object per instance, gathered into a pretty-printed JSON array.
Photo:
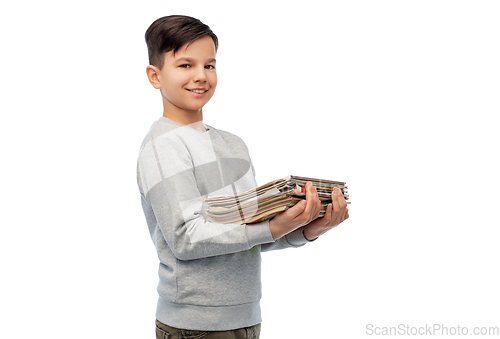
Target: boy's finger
[
  {"x": 328, "y": 213},
  {"x": 318, "y": 208},
  {"x": 309, "y": 193},
  {"x": 341, "y": 199},
  {"x": 336, "y": 192},
  {"x": 310, "y": 190},
  {"x": 313, "y": 203},
  {"x": 313, "y": 209},
  {"x": 337, "y": 214},
  {"x": 297, "y": 210}
]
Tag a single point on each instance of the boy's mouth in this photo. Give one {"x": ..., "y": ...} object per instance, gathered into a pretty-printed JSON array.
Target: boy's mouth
[{"x": 199, "y": 91}]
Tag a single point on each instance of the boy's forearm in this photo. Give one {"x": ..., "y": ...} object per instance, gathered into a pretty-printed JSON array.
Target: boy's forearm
[
  {"x": 196, "y": 238},
  {"x": 240, "y": 238}
]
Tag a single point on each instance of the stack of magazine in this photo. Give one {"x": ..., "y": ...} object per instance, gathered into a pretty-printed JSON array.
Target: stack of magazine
[{"x": 266, "y": 201}]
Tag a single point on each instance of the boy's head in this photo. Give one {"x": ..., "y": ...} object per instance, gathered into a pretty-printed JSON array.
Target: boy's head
[
  {"x": 182, "y": 65},
  {"x": 170, "y": 33}
]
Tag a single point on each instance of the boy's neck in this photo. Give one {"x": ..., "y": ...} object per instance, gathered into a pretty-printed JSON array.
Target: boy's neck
[{"x": 194, "y": 121}]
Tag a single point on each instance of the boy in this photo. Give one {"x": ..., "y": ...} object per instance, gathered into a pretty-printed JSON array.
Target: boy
[{"x": 209, "y": 273}]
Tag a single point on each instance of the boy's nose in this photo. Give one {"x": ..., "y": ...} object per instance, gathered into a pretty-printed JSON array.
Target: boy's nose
[{"x": 200, "y": 76}]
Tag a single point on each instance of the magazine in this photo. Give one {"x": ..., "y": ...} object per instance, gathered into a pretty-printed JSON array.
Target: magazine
[{"x": 265, "y": 201}]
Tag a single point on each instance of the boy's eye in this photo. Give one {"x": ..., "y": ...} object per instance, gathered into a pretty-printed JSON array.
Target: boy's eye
[
  {"x": 184, "y": 66},
  {"x": 210, "y": 67}
]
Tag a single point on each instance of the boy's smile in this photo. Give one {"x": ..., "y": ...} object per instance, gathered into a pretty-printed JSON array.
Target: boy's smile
[{"x": 187, "y": 80}]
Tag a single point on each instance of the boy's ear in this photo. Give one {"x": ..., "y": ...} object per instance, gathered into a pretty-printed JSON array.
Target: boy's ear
[{"x": 152, "y": 72}]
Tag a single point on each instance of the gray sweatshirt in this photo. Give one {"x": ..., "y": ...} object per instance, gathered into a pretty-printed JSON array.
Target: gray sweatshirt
[{"x": 209, "y": 273}]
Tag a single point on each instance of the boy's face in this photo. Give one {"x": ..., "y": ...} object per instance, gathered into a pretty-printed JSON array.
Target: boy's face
[{"x": 188, "y": 78}]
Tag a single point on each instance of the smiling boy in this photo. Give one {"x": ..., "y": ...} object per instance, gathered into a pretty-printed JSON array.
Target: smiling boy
[
  {"x": 209, "y": 273},
  {"x": 186, "y": 81}
]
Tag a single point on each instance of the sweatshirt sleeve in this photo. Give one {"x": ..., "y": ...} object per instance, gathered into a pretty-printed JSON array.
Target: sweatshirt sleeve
[
  {"x": 173, "y": 206},
  {"x": 293, "y": 239}
]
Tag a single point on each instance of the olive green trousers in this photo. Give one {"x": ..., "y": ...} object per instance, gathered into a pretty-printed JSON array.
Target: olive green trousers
[{"x": 166, "y": 332}]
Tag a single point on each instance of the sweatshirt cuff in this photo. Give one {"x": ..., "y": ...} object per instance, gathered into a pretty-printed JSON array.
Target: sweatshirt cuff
[
  {"x": 259, "y": 233},
  {"x": 297, "y": 238}
]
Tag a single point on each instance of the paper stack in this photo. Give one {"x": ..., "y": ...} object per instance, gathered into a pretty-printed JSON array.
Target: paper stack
[{"x": 267, "y": 200}]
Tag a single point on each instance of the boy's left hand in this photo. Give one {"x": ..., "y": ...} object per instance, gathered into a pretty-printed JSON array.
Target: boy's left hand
[{"x": 336, "y": 212}]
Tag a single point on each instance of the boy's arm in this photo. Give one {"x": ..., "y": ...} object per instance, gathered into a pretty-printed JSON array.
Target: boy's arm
[{"x": 173, "y": 207}]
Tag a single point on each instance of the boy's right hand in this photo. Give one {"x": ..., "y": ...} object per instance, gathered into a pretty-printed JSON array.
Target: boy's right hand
[{"x": 299, "y": 215}]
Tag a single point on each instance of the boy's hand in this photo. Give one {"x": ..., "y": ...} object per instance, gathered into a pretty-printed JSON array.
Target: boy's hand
[
  {"x": 336, "y": 212},
  {"x": 299, "y": 215}
]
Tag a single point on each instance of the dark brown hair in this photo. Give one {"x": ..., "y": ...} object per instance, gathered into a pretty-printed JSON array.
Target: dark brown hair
[{"x": 170, "y": 33}]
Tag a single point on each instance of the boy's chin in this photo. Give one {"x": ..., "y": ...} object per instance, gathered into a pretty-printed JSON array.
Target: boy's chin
[
  {"x": 193, "y": 109},
  {"x": 196, "y": 107}
]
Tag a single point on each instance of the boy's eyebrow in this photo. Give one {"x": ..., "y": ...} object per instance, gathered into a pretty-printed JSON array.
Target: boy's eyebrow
[{"x": 189, "y": 60}]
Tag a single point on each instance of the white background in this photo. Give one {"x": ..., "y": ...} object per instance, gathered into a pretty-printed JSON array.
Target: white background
[{"x": 397, "y": 98}]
